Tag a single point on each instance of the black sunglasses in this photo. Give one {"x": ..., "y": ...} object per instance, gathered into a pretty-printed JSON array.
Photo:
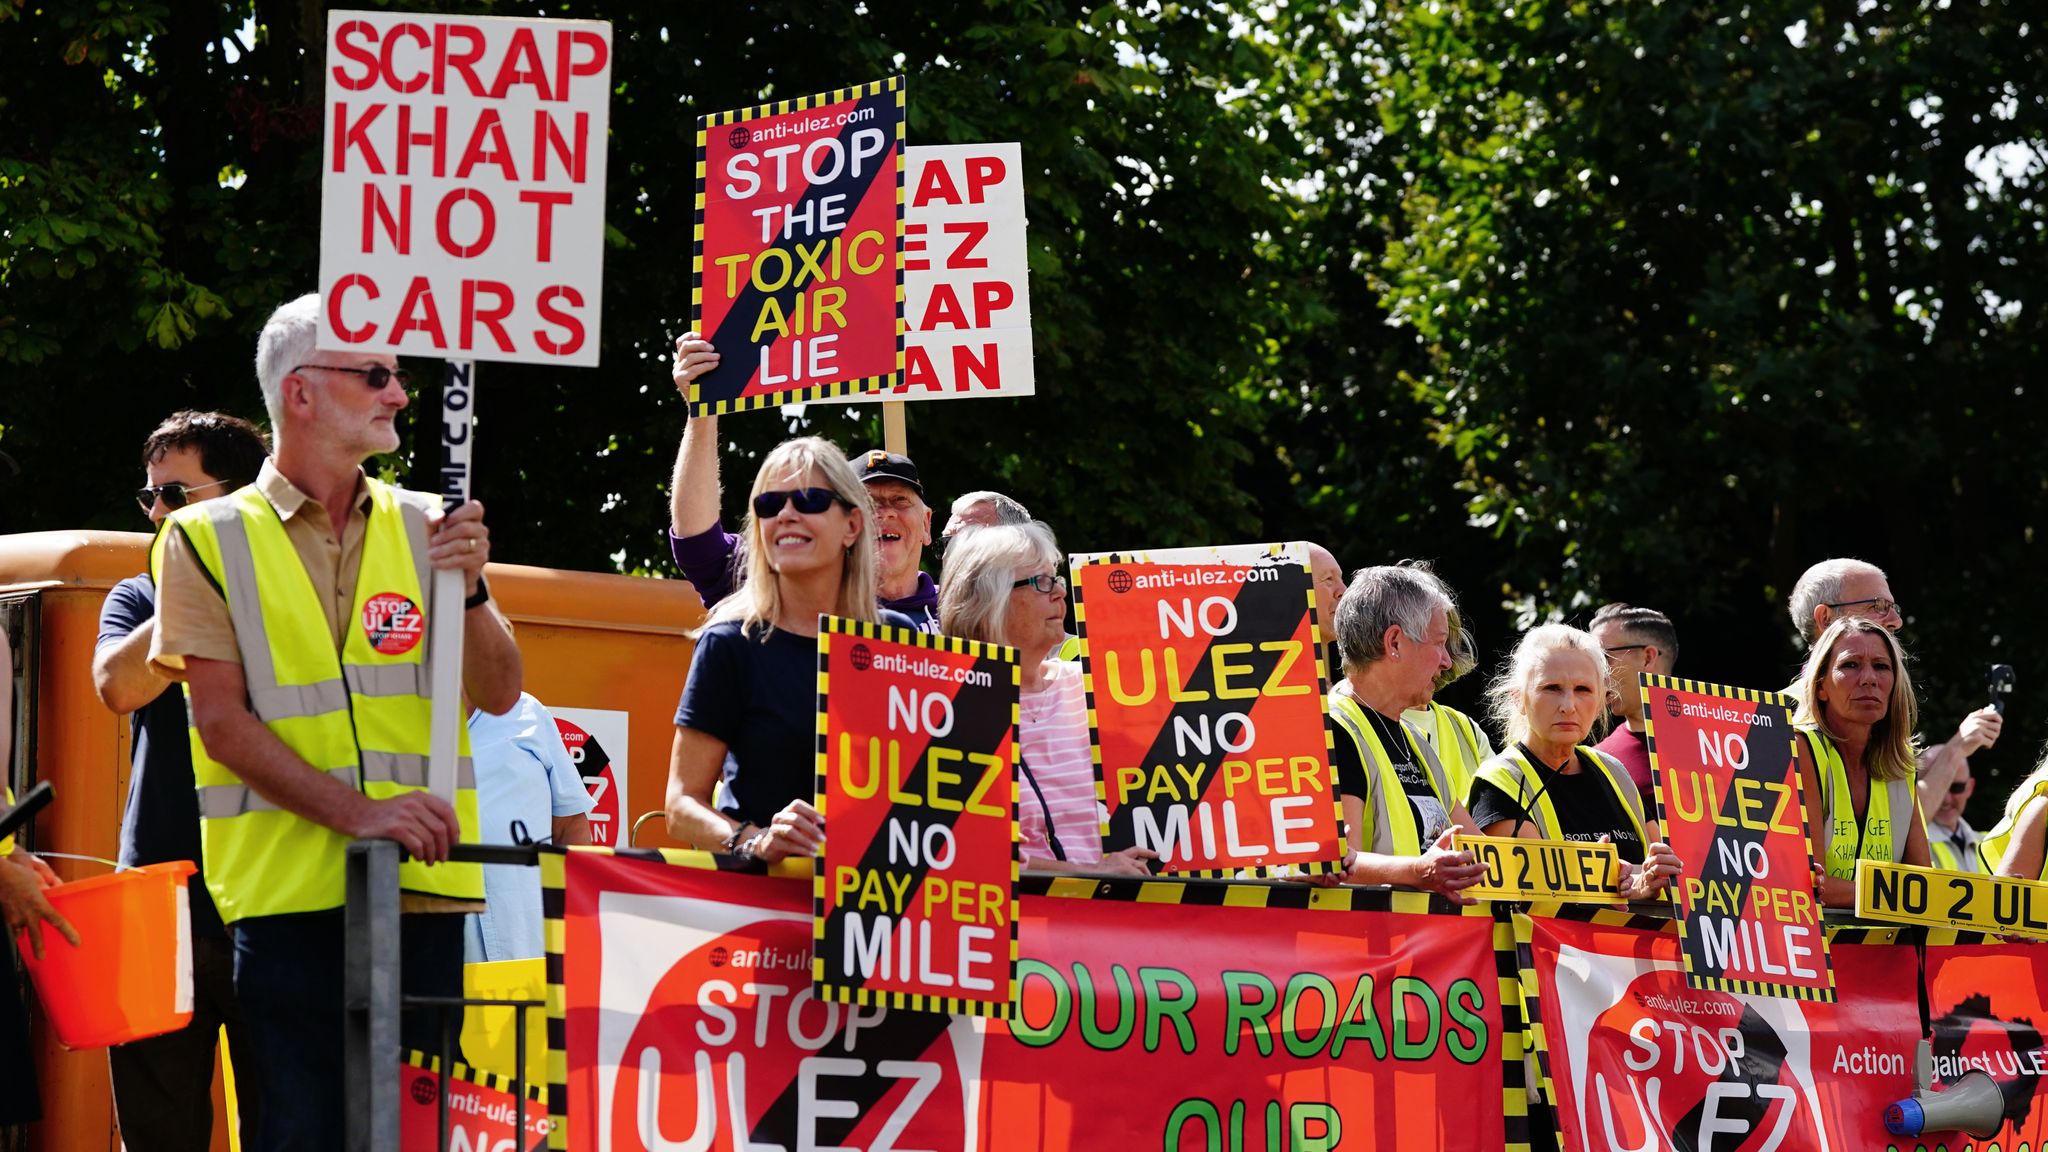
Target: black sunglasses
[
  {"x": 174, "y": 495},
  {"x": 378, "y": 377},
  {"x": 1955, "y": 787},
  {"x": 809, "y": 501}
]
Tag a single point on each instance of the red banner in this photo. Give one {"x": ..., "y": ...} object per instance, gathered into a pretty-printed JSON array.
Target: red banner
[
  {"x": 1729, "y": 792},
  {"x": 691, "y": 1022},
  {"x": 1205, "y": 682},
  {"x": 1636, "y": 1058},
  {"x": 917, "y": 739},
  {"x": 481, "y": 1117},
  {"x": 797, "y": 278}
]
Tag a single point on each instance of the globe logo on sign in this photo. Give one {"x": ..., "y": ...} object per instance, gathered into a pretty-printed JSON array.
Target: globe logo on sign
[
  {"x": 1120, "y": 581},
  {"x": 423, "y": 1090},
  {"x": 718, "y": 957},
  {"x": 739, "y": 137},
  {"x": 1672, "y": 706},
  {"x": 860, "y": 658}
]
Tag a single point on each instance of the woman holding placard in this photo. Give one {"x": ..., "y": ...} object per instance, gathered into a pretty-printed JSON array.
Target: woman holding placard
[
  {"x": 1547, "y": 784},
  {"x": 1003, "y": 586},
  {"x": 1856, "y": 718},
  {"x": 752, "y": 695}
]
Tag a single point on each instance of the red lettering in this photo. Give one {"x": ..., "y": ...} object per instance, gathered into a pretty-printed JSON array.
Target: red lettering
[
  {"x": 421, "y": 297},
  {"x": 344, "y": 43},
  {"x": 935, "y": 184},
  {"x": 989, "y": 296},
  {"x": 487, "y": 145},
  {"x": 436, "y": 141},
  {"x": 417, "y": 80},
  {"x": 492, "y": 317},
  {"x": 463, "y": 62},
  {"x": 917, "y": 370},
  {"x": 547, "y": 133},
  {"x": 983, "y": 171},
  {"x": 914, "y": 263},
  {"x": 548, "y": 312},
  {"x": 521, "y": 65},
  {"x": 545, "y": 203},
  {"x": 565, "y": 58},
  {"x": 986, "y": 371},
  {"x": 347, "y": 136},
  {"x": 377, "y": 210},
  {"x": 942, "y": 309},
  {"x": 963, "y": 253},
  {"x": 335, "y": 323},
  {"x": 487, "y": 223}
]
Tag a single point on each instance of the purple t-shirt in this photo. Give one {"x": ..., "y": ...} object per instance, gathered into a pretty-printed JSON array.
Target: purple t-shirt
[{"x": 708, "y": 562}]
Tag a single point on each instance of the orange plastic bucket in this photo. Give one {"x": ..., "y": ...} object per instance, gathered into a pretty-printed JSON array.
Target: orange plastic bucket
[{"x": 131, "y": 974}]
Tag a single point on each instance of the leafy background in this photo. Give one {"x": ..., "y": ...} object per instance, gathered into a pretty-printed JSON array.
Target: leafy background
[{"x": 1583, "y": 301}]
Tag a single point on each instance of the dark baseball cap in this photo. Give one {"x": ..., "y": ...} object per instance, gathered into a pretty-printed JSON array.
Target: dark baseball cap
[{"x": 880, "y": 465}]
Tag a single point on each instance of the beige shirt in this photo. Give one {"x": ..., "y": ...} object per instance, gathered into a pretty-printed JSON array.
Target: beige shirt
[{"x": 191, "y": 614}]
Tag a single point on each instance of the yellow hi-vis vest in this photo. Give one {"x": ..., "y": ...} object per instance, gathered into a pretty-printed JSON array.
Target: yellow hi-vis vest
[
  {"x": 1996, "y": 843},
  {"x": 1457, "y": 746},
  {"x": 1513, "y": 775},
  {"x": 361, "y": 715},
  {"x": 1882, "y": 835},
  {"x": 1946, "y": 856},
  {"x": 1390, "y": 827}
]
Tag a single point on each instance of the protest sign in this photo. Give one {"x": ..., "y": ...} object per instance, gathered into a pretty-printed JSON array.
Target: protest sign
[
  {"x": 596, "y": 740},
  {"x": 1523, "y": 869},
  {"x": 483, "y": 1111},
  {"x": 1905, "y": 894},
  {"x": 917, "y": 738},
  {"x": 966, "y": 276},
  {"x": 1635, "y": 1057},
  {"x": 1734, "y": 811},
  {"x": 1203, "y": 670},
  {"x": 462, "y": 186},
  {"x": 797, "y": 276},
  {"x": 1263, "y": 1016}
]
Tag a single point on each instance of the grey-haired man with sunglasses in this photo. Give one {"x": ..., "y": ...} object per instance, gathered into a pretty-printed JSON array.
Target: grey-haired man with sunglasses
[{"x": 163, "y": 1085}]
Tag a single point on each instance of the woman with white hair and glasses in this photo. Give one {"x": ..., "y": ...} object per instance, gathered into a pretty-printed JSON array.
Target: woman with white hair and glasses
[
  {"x": 1549, "y": 785},
  {"x": 1856, "y": 717},
  {"x": 808, "y": 548},
  {"x": 1003, "y": 586}
]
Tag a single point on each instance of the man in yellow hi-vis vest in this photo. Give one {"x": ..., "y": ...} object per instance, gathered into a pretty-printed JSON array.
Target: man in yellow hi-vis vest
[{"x": 295, "y": 610}]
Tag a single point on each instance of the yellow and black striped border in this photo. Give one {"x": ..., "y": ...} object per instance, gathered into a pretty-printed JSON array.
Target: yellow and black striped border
[
  {"x": 1080, "y": 560},
  {"x": 777, "y": 108},
  {"x": 828, "y": 627},
  {"x": 1652, "y": 680},
  {"x": 415, "y": 1058},
  {"x": 554, "y": 935}
]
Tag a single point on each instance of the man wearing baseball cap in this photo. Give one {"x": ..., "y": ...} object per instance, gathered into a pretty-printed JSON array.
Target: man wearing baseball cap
[{"x": 704, "y": 550}]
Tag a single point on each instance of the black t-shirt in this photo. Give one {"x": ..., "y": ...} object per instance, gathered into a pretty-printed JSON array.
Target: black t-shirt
[
  {"x": 1586, "y": 805},
  {"x": 162, "y": 818},
  {"x": 1354, "y": 780},
  {"x": 760, "y": 697}
]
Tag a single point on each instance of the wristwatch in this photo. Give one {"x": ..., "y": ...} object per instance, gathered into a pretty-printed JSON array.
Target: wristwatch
[{"x": 482, "y": 596}]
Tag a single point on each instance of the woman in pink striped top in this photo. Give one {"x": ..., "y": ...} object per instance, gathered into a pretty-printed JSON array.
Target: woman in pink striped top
[{"x": 1003, "y": 586}]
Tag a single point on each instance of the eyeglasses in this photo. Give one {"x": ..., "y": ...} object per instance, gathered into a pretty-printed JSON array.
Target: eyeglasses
[
  {"x": 1956, "y": 787},
  {"x": 1045, "y": 584},
  {"x": 377, "y": 376},
  {"x": 1620, "y": 648},
  {"x": 809, "y": 501},
  {"x": 174, "y": 495},
  {"x": 1879, "y": 606}
]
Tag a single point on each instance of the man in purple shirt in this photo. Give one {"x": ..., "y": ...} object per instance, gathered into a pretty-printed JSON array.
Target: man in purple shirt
[
  {"x": 706, "y": 552},
  {"x": 1636, "y": 640}
]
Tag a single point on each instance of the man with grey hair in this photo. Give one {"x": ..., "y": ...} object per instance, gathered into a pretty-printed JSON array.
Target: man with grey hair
[
  {"x": 981, "y": 509},
  {"x": 1393, "y": 629},
  {"x": 1845, "y": 586},
  {"x": 294, "y": 610}
]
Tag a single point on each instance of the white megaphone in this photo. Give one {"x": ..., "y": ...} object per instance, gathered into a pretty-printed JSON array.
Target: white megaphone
[{"x": 1973, "y": 1105}]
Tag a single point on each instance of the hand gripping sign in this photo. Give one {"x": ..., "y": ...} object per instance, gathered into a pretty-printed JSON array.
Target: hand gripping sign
[
  {"x": 797, "y": 276},
  {"x": 917, "y": 737},
  {"x": 1205, "y": 684},
  {"x": 1729, "y": 791}
]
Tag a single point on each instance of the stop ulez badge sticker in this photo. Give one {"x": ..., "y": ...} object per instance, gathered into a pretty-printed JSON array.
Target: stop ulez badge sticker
[{"x": 393, "y": 623}]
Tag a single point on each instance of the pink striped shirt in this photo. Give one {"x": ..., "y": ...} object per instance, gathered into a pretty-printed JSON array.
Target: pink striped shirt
[{"x": 1054, "y": 730}]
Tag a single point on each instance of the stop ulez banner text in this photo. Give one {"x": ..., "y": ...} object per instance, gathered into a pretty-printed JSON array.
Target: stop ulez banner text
[
  {"x": 797, "y": 277},
  {"x": 1144, "y": 1020},
  {"x": 1638, "y": 1058},
  {"x": 1203, "y": 670},
  {"x": 917, "y": 739},
  {"x": 1734, "y": 811}
]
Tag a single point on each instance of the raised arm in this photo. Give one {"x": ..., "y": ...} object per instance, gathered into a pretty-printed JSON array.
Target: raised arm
[{"x": 693, "y": 486}]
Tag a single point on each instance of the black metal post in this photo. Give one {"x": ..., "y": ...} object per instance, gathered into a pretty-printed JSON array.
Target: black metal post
[{"x": 371, "y": 997}]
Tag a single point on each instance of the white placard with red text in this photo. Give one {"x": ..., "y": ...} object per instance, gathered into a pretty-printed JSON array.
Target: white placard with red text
[
  {"x": 596, "y": 740},
  {"x": 966, "y": 278},
  {"x": 462, "y": 186}
]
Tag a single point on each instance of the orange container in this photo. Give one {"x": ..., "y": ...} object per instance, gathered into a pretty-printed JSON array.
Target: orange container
[{"x": 131, "y": 974}]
